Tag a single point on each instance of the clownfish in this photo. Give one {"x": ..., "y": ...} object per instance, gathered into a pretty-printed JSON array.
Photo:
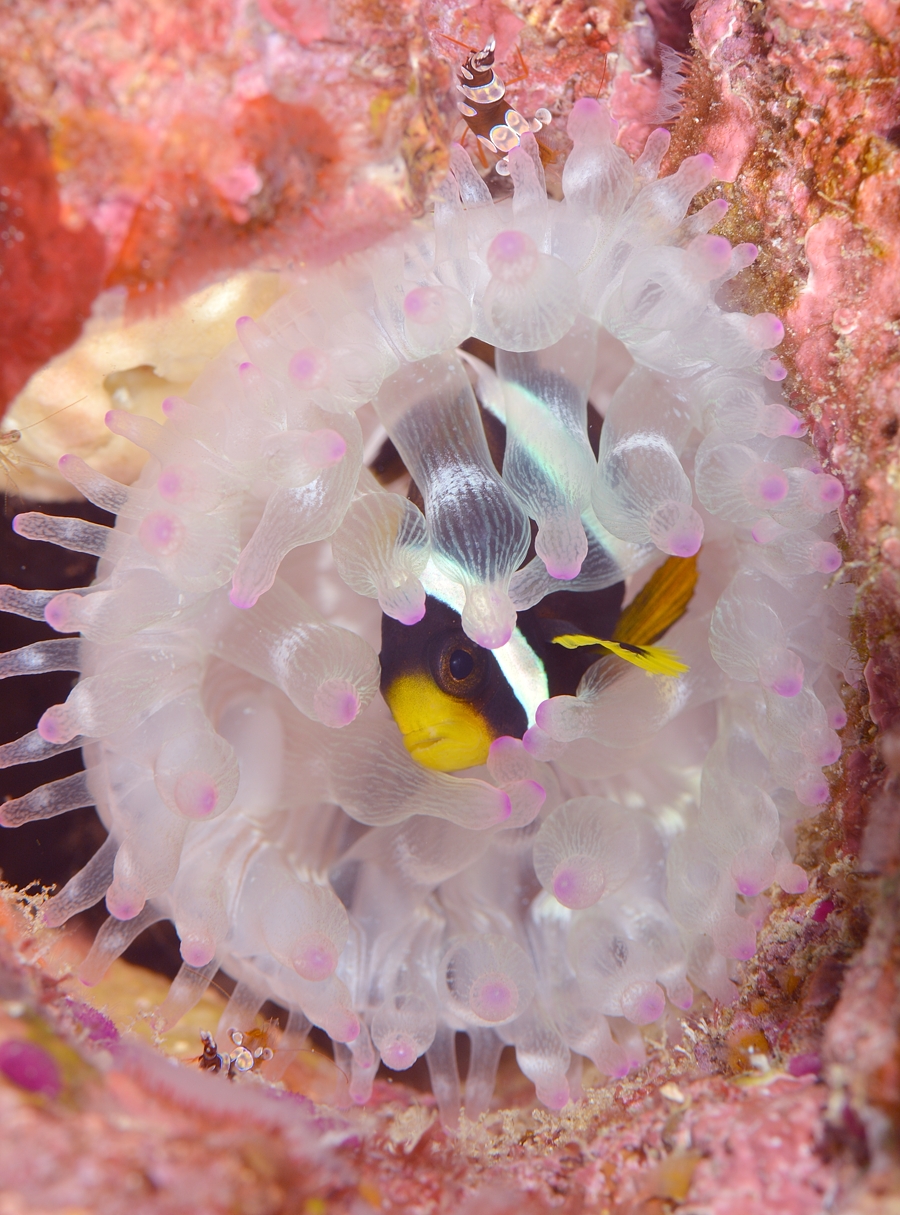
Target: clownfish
[{"x": 451, "y": 698}]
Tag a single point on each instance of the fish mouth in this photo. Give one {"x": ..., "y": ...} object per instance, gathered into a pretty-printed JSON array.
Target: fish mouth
[
  {"x": 438, "y": 731},
  {"x": 448, "y": 746},
  {"x": 421, "y": 740}
]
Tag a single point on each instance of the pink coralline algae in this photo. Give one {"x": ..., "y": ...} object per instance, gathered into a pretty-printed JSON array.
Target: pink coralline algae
[
  {"x": 188, "y": 142},
  {"x": 126, "y": 1116},
  {"x": 51, "y": 273},
  {"x": 168, "y": 137}
]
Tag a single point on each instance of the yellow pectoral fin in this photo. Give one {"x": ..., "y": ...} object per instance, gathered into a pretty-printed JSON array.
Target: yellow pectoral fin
[
  {"x": 655, "y": 659},
  {"x": 438, "y": 731}
]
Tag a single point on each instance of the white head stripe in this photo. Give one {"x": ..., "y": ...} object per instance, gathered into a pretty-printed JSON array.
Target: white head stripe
[{"x": 523, "y": 670}]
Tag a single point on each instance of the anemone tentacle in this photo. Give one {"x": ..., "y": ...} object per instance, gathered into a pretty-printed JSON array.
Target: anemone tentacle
[{"x": 254, "y": 786}]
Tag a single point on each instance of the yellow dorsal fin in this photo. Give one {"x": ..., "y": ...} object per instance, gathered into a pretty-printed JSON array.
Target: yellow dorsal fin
[
  {"x": 653, "y": 658},
  {"x": 660, "y": 604}
]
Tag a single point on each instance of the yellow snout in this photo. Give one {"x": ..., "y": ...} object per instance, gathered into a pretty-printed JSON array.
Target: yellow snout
[{"x": 438, "y": 731}]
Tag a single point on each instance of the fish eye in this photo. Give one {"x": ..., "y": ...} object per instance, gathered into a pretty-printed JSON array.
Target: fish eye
[
  {"x": 458, "y": 665},
  {"x": 461, "y": 664}
]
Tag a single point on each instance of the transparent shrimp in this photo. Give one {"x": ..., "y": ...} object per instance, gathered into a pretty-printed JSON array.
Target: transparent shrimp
[{"x": 11, "y": 459}]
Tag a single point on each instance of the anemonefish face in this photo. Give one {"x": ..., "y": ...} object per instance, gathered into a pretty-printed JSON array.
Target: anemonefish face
[
  {"x": 451, "y": 698},
  {"x": 448, "y": 696}
]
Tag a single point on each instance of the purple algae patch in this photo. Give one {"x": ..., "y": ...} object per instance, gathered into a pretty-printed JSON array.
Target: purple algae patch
[
  {"x": 823, "y": 911},
  {"x": 99, "y": 1028},
  {"x": 805, "y": 1065},
  {"x": 295, "y": 1099},
  {"x": 30, "y": 1067}
]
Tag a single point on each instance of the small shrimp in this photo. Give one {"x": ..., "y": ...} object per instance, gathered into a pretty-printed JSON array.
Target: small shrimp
[
  {"x": 250, "y": 1051},
  {"x": 496, "y": 125},
  {"x": 10, "y": 459}
]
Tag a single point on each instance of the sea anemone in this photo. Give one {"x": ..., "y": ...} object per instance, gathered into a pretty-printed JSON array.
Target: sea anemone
[{"x": 255, "y": 788}]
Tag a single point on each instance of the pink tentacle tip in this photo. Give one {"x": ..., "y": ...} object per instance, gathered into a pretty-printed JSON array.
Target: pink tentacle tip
[
  {"x": 737, "y": 940},
  {"x": 676, "y": 528},
  {"x": 588, "y": 107},
  {"x": 683, "y": 1000},
  {"x": 344, "y": 1027},
  {"x": 512, "y": 256},
  {"x": 526, "y": 799},
  {"x": 498, "y": 808},
  {"x": 685, "y": 544},
  {"x": 162, "y": 533},
  {"x": 316, "y": 957},
  {"x": 399, "y": 1055},
  {"x": 774, "y": 370},
  {"x": 830, "y": 490},
  {"x": 555, "y": 1095},
  {"x": 196, "y": 795},
  {"x": 423, "y": 305},
  {"x": 509, "y": 246},
  {"x": 493, "y": 640},
  {"x": 750, "y": 887},
  {"x": 710, "y": 257},
  {"x": 792, "y": 879},
  {"x": 787, "y": 686},
  {"x": 409, "y": 615},
  {"x": 308, "y": 368},
  {"x": 503, "y": 746},
  {"x": 578, "y": 882},
  {"x": 174, "y": 483},
  {"x": 324, "y": 448},
  {"x": 562, "y": 570},
  {"x": 811, "y": 790},
  {"x": 53, "y": 726},
  {"x": 123, "y": 906},
  {"x": 643, "y": 1003},
  {"x": 336, "y": 703},
  {"x": 197, "y": 951},
  {"x": 618, "y": 1070},
  {"x": 57, "y": 613},
  {"x": 764, "y": 531},
  {"x": 773, "y": 488},
  {"x": 702, "y": 169},
  {"x": 540, "y": 745},
  {"x": 241, "y": 598},
  {"x": 490, "y": 636},
  {"x": 494, "y": 997},
  {"x": 533, "y": 739},
  {"x": 765, "y": 330}
]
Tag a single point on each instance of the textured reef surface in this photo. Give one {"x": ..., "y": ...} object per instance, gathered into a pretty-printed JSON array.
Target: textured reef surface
[{"x": 789, "y": 1095}]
